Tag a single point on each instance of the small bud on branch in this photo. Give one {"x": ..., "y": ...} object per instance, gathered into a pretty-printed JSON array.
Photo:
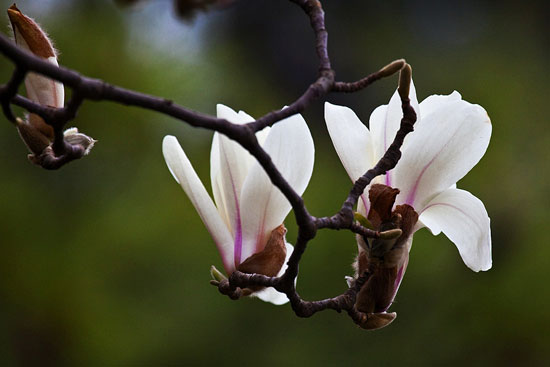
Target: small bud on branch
[{"x": 405, "y": 82}]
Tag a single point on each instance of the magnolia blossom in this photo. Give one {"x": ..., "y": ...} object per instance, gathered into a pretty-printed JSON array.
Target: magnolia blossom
[
  {"x": 34, "y": 131},
  {"x": 245, "y": 219},
  {"x": 449, "y": 138}
]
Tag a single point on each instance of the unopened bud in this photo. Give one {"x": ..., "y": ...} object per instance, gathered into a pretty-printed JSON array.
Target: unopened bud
[
  {"x": 73, "y": 137},
  {"x": 391, "y": 234},
  {"x": 405, "y": 82},
  {"x": 392, "y": 68},
  {"x": 362, "y": 220},
  {"x": 29, "y": 36},
  {"x": 216, "y": 274}
]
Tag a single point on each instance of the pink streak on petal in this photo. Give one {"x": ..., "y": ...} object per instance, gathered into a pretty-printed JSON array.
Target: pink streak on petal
[
  {"x": 411, "y": 196},
  {"x": 388, "y": 179},
  {"x": 238, "y": 239},
  {"x": 412, "y": 193},
  {"x": 238, "y": 244}
]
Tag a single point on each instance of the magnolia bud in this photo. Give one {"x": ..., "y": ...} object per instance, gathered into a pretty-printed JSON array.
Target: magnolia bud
[
  {"x": 405, "y": 82},
  {"x": 216, "y": 274},
  {"x": 29, "y": 36},
  {"x": 73, "y": 137},
  {"x": 392, "y": 68},
  {"x": 35, "y": 132},
  {"x": 362, "y": 220}
]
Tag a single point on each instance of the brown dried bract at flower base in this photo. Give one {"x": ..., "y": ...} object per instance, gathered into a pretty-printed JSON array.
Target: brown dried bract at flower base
[
  {"x": 381, "y": 199},
  {"x": 375, "y": 321},
  {"x": 34, "y": 37},
  {"x": 271, "y": 259},
  {"x": 384, "y": 259},
  {"x": 33, "y": 138}
]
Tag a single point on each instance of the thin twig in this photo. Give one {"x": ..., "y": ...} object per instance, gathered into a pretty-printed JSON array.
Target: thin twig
[{"x": 9, "y": 90}]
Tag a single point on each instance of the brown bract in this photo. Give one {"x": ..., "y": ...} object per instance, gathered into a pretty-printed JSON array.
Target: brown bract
[
  {"x": 34, "y": 37},
  {"x": 384, "y": 259},
  {"x": 271, "y": 259},
  {"x": 33, "y": 138},
  {"x": 375, "y": 321}
]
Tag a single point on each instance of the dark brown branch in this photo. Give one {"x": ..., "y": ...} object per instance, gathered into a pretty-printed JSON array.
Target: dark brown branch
[
  {"x": 325, "y": 81},
  {"x": 386, "y": 71},
  {"x": 318, "y": 89},
  {"x": 9, "y": 90},
  {"x": 314, "y": 11}
]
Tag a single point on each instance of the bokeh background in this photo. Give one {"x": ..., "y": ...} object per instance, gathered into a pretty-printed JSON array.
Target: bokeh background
[{"x": 105, "y": 262}]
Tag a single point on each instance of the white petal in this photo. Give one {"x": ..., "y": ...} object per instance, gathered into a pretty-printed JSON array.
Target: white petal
[
  {"x": 351, "y": 139},
  {"x": 437, "y": 101},
  {"x": 445, "y": 145},
  {"x": 185, "y": 175},
  {"x": 377, "y": 125},
  {"x": 264, "y": 207},
  {"x": 262, "y": 135},
  {"x": 464, "y": 219},
  {"x": 216, "y": 181},
  {"x": 40, "y": 89},
  {"x": 229, "y": 167},
  {"x": 363, "y": 203},
  {"x": 245, "y": 117},
  {"x": 230, "y": 115},
  {"x": 270, "y": 294},
  {"x": 43, "y": 90},
  {"x": 384, "y": 123}
]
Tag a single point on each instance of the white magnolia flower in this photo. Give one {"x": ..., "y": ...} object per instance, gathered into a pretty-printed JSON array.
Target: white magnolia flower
[
  {"x": 247, "y": 207},
  {"x": 449, "y": 138}
]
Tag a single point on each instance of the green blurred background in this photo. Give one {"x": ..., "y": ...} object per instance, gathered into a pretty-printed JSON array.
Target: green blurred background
[{"x": 105, "y": 262}]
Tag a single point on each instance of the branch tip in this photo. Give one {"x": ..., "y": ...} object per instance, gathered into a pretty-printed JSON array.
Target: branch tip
[
  {"x": 392, "y": 68},
  {"x": 405, "y": 77}
]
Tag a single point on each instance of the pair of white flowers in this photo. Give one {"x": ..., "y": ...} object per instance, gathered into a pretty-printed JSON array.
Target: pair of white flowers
[{"x": 450, "y": 137}]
